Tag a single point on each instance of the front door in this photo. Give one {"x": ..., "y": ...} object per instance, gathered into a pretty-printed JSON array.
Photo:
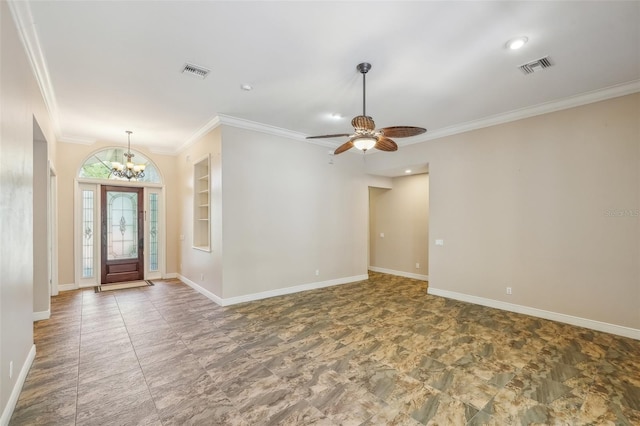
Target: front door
[{"x": 122, "y": 234}]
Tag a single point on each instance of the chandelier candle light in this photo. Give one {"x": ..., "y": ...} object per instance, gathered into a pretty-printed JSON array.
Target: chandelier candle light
[{"x": 129, "y": 170}]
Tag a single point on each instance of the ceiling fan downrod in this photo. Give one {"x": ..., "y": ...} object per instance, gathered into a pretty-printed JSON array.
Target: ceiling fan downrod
[
  {"x": 365, "y": 136},
  {"x": 364, "y": 68}
]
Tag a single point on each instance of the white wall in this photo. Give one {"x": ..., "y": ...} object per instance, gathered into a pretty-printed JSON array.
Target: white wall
[
  {"x": 20, "y": 102},
  {"x": 528, "y": 205}
]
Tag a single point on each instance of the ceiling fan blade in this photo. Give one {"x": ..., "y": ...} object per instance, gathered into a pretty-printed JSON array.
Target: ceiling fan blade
[
  {"x": 344, "y": 147},
  {"x": 341, "y": 135},
  {"x": 402, "y": 131},
  {"x": 386, "y": 144}
]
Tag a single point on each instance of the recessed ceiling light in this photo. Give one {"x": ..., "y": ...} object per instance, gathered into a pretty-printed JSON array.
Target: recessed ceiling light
[
  {"x": 516, "y": 43},
  {"x": 246, "y": 87},
  {"x": 407, "y": 171},
  {"x": 335, "y": 116}
]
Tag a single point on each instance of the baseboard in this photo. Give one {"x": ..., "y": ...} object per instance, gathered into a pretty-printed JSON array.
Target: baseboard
[
  {"x": 271, "y": 293},
  {"x": 43, "y": 315},
  {"x": 201, "y": 290},
  {"x": 88, "y": 286},
  {"x": 7, "y": 412},
  {"x": 619, "y": 330},
  {"x": 170, "y": 275},
  {"x": 67, "y": 287},
  {"x": 399, "y": 273}
]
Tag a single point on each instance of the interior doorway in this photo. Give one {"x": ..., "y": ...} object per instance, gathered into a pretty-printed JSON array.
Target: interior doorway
[
  {"x": 53, "y": 231},
  {"x": 122, "y": 242},
  {"x": 399, "y": 227},
  {"x": 41, "y": 226}
]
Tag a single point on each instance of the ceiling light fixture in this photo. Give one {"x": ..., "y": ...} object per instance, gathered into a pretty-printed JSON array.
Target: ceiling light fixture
[
  {"x": 407, "y": 171},
  {"x": 246, "y": 87},
  {"x": 364, "y": 143},
  {"x": 516, "y": 43},
  {"x": 129, "y": 170},
  {"x": 365, "y": 135}
]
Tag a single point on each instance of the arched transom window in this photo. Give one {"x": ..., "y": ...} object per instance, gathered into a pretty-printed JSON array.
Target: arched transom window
[{"x": 98, "y": 166}]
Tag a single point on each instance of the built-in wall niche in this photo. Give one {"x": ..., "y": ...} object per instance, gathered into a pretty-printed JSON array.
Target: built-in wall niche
[{"x": 202, "y": 204}]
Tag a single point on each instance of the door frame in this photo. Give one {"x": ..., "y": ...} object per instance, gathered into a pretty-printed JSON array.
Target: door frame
[
  {"x": 161, "y": 272},
  {"x": 52, "y": 236},
  {"x": 95, "y": 185},
  {"x": 140, "y": 234}
]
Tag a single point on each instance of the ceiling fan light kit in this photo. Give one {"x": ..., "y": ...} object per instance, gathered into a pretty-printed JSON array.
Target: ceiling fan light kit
[
  {"x": 365, "y": 142},
  {"x": 365, "y": 136}
]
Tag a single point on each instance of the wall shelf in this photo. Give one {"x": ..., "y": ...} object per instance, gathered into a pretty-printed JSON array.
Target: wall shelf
[{"x": 201, "y": 203}]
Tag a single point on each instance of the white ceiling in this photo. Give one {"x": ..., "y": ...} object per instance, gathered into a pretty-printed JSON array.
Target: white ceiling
[{"x": 110, "y": 66}]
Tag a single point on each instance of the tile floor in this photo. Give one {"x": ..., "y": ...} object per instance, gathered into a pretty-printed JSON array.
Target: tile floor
[{"x": 370, "y": 353}]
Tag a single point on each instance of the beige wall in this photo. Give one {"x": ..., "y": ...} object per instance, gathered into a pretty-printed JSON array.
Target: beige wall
[
  {"x": 70, "y": 158},
  {"x": 20, "y": 103},
  {"x": 402, "y": 215},
  {"x": 41, "y": 293},
  {"x": 201, "y": 267},
  {"x": 287, "y": 212},
  {"x": 529, "y": 205}
]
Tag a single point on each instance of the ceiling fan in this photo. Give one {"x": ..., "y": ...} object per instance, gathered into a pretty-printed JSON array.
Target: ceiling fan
[{"x": 365, "y": 136}]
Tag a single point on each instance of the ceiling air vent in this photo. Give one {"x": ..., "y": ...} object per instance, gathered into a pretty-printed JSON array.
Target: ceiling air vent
[
  {"x": 195, "y": 70},
  {"x": 537, "y": 65}
]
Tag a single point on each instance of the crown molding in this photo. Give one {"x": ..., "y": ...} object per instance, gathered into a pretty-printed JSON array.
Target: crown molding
[
  {"x": 206, "y": 128},
  {"x": 23, "y": 18},
  {"x": 76, "y": 140},
  {"x": 162, "y": 150},
  {"x": 545, "y": 108},
  {"x": 242, "y": 123}
]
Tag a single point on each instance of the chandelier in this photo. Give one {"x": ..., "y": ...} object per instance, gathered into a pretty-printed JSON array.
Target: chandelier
[{"x": 129, "y": 170}]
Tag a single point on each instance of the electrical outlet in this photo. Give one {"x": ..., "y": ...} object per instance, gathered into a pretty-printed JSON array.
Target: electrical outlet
[
  {"x": 201, "y": 277},
  {"x": 317, "y": 272},
  {"x": 10, "y": 369},
  {"x": 508, "y": 290},
  {"x": 417, "y": 265}
]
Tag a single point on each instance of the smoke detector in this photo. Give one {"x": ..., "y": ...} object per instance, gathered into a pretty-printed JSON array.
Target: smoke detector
[
  {"x": 537, "y": 65},
  {"x": 195, "y": 70}
]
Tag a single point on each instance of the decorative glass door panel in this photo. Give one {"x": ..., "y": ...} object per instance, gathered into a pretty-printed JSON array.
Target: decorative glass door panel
[
  {"x": 122, "y": 234},
  {"x": 153, "y": 232},
  {"x": 88, "y": 232},
  {"x": 122, "y": 225}
]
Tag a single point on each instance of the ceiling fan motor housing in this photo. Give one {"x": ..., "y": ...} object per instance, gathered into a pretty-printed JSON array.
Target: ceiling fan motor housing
[
  {"x": 363, "y": 122},
  {"x": 365, "y": 136}
]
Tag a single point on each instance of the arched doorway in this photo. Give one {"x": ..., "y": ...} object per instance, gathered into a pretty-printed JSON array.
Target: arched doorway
[{"x": 130, "y": 246}]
